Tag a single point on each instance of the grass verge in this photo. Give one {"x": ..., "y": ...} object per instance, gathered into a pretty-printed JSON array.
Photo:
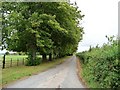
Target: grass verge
[
  {"x": 89, "y": 78},
  {"x": 15, "y": 73},
  {"x": 85, "y": 77},
  {"x": 79, "y": 73}
]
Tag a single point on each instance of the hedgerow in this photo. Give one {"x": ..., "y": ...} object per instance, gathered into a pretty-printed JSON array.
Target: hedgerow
[{"x": 101, "y": 65}]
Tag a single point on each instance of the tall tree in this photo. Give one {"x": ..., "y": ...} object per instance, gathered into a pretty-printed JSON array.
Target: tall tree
[{"x": 48, "y": 28}]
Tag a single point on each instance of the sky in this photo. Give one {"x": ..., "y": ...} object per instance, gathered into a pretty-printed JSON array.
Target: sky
[{"x": 101, "y": 19}]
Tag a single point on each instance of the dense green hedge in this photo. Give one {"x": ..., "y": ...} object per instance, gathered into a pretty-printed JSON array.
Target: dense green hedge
[
  {"x": 37, "y": 61},
  {"x": 101, "y": 67}
]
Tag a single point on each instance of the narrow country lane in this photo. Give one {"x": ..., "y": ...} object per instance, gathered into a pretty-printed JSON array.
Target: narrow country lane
[{"x": 61, "y": 76}]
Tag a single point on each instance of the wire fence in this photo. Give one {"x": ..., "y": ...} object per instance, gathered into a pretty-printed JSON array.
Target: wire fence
[{"x": 12, "y": 62}]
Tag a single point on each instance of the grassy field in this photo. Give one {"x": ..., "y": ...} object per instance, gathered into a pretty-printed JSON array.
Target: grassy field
[
  {"x": 15, "y": 73},
  {"x": 13, "y": 57}
]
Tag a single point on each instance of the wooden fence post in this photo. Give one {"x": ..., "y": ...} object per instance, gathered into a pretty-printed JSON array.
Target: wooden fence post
[
  {"x": 3, "y": 61},
  {"x": 11, "y": 63}
]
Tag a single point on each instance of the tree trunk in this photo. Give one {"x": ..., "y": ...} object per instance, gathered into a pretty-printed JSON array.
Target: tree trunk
[
  {"x": 50, "y": 57},
  {"x": 44, "y": 57},
  {"x": 32, "y": 55}
]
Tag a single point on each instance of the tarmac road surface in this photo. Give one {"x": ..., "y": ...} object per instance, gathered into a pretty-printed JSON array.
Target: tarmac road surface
[{"x": 61, "y": 76}]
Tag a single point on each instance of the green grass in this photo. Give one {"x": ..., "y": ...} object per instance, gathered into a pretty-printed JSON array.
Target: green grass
[
  {"x": 15, "y": 73},
  {"x": 15, "y": 57}
]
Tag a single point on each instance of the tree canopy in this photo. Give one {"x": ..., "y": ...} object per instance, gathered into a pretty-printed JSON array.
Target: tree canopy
[{"x": 49, "y": 28}]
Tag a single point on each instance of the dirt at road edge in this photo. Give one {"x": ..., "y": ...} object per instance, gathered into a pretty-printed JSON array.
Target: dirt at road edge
[{"x": 79, "y": 70}]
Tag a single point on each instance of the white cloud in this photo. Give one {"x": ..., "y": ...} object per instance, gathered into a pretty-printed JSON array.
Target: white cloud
[{"x": 101, "y": 19}]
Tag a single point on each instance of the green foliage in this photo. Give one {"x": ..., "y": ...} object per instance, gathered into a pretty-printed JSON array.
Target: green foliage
[
  {"x": 48, "y": 28},
  {"x": 37, "y": 61},
  {"x": 102, "y": 66},
  {"x": 21, "y": 53},
  {"x": 7, "y": 53}
]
